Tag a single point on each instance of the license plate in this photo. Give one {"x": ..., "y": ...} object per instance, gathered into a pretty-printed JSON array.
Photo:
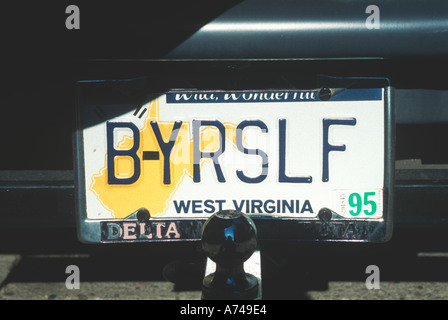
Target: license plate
[{"x": 303, "y": 167}]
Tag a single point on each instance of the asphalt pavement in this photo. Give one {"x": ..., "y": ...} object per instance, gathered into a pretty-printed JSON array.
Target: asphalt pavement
[{"x": 33, "y": 266}]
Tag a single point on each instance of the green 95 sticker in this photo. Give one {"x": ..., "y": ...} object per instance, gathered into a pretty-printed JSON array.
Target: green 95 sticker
[{"x": 363, "y": 204}]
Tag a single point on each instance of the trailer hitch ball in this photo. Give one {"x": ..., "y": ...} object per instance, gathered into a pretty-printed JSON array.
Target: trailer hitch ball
[{"x": 229, "y": 238}]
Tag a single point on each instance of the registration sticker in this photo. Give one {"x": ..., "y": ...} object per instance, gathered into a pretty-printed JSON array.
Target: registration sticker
[{"x": 363, "y": 204}]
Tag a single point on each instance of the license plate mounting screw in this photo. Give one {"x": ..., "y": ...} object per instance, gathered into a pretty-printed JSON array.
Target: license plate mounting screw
[
  {"x": 143, "y": 215},
  {"x": 325, "y": 94},
  {"x": 325, "y": 214}
]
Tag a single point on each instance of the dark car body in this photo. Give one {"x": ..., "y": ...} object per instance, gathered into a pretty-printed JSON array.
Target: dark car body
[{"x": 236, "y": 45}]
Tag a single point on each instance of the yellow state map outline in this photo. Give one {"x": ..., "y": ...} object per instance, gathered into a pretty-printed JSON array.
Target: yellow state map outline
[{"x": 149, "y": 191}]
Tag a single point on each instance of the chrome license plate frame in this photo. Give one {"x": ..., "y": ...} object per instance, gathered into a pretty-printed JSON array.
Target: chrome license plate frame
[{"x": 322, "y": 222}]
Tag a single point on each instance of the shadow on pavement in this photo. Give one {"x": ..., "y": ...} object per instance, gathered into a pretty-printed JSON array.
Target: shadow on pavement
[{"x": 290, "y": 270}]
